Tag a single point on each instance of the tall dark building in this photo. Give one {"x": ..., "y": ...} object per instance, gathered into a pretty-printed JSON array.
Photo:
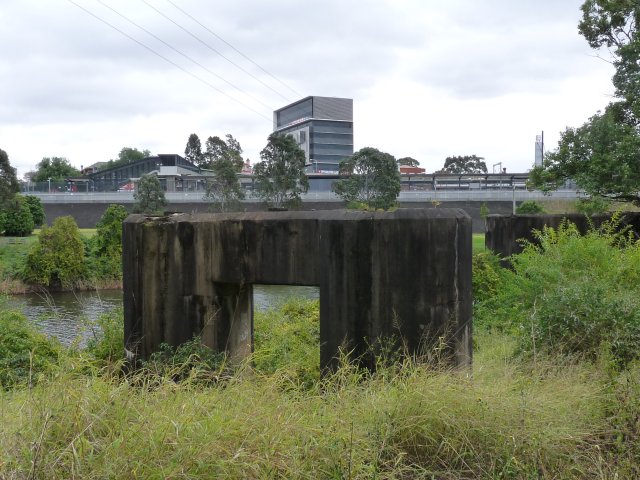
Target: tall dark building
[{"x": 322, "y": 126}]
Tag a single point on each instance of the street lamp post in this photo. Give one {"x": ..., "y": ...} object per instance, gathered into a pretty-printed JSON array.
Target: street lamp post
[{"x": 49, "y": 179}]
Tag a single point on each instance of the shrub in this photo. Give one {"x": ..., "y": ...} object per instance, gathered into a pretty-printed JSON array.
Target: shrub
[
  {"x": 24, "y": 352},
  {"x": 107, "y": 342},
  {"x": 484, "y": 210},
  {"x": 36, "y": 208},
  {"x": 487, "y": 275},
  {"x": 17, "y": 219},
  {"x": 57, "y": 259},
  {"x": 572, "y": 294},
  {"x": 593, "y": 205},
  {"x": 529, "y": 207},
  {"x": 105, "y": 248}
]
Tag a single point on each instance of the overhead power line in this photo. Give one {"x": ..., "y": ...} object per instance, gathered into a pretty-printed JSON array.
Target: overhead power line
[
  {"x": 213, "y": 49},
  {"x": 168, "y": 60},
  {"x": 234, "y": 48},
  {"x": 184, "y": 55}
]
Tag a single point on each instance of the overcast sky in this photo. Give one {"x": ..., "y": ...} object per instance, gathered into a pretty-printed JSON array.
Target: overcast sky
[{"x": 428, "y": 78}]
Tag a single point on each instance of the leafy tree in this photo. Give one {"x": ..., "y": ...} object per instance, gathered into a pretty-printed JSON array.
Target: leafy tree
[
  {"x": 373, "y": 179},
  {"x": 127, "y": 155},
  {"x": 602, "y": 155},
  {"x": 464, "y": 164},
  {"x": 408, "y": 161},
  {"x": 9, "y": 185},
  {"x": 149, "y": 197},
  {"x": 106, "y": 245},
  {"x": 109, "y": 231},
  {"x": 54, "y": 168},
  {"x": 193, "y": 150},
  {"x": 17, "y": 219},
  {"x": 217, "y": 148},
  {"x": 225, "y": 160},
  {"x": 614, "y": 24},
  {"x": 37, "y": 210},
  {"x": 279, "y": 176},
  {"x": 57, "y": 259}
]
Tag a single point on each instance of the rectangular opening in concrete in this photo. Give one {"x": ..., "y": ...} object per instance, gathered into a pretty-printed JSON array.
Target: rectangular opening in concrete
[{"x": 286, "y": 327}]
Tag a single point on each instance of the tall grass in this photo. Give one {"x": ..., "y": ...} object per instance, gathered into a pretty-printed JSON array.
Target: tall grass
[{"x": 503, "y": 420}]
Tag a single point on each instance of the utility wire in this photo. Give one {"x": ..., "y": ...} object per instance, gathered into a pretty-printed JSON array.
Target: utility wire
[
  {"x": 168, "y": 60},
  {"x": 213, "y": 49},
  {"x": 234, "y": 48},
  {"x": 184, "y": 55}
]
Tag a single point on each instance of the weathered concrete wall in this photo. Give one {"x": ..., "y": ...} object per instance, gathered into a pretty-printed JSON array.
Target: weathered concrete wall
[
  {"x": 404, "y": 274},
  {"x": 504, "y": 231}
]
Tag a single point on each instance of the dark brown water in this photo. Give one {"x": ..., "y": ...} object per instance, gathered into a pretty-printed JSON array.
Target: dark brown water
[{"x": 69, "y": 316}]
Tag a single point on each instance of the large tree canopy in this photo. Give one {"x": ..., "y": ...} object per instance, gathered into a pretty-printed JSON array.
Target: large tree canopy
[
  {"x": 372, "y": 179},
  {"x": 54, "y": 168},
  {"x": 9, "y": 185},
  {"x": 603, "y": 155},
  {"x": 464, "y": 164},
  {"x": 614, "y": 24}
]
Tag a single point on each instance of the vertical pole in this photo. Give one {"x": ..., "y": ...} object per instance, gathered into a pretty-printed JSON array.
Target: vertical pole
[{"x": 513, "y": 188}]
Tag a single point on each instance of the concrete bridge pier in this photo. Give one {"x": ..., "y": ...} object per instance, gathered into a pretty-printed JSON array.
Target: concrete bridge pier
[{"x": 387, "y": 279}]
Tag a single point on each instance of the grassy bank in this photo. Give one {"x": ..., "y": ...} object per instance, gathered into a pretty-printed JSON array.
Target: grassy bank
[{"x": 275, "y": 418}]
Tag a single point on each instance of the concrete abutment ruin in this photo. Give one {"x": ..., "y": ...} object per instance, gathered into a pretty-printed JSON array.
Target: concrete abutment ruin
[{"x": 402, "y": 275}]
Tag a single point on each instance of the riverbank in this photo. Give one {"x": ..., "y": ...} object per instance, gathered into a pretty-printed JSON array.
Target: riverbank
[{"x": 10, "y": 286}]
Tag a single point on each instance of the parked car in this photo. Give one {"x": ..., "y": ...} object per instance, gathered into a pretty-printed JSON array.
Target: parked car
[{"x": 127, "y": 187}]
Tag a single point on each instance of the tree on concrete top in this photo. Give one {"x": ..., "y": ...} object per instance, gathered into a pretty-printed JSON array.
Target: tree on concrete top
[
  {"x": 55, "y": 168},
  {"x": 373, "y": 179},
  {"x": 464, "y": 164},
  {"x": 279, "y": 177},
  {"x": 9, "y": 185},
  {"x": 149, "y": 196}
]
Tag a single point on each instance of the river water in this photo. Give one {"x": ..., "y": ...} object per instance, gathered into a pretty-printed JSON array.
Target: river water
[{"x": 67, "y": 316}]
